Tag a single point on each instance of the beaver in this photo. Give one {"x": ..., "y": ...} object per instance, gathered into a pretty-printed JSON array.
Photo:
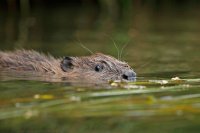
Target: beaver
[{"x": 95, "y": 68}]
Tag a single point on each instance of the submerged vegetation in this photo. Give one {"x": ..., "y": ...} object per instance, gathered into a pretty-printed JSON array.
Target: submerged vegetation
[{"x": 166, "y": 101}]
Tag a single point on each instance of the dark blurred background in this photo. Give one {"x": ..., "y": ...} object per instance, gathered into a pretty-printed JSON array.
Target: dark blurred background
[
  {"x": 165, "y": 31},
  {"x": 58, "y": 20}
]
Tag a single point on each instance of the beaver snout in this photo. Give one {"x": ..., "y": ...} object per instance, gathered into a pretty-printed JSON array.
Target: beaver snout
[{"x": 129, "y": 75}]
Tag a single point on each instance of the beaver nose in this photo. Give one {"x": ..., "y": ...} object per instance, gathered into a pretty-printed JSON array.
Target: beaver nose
[{"x": 129, "y": 75}]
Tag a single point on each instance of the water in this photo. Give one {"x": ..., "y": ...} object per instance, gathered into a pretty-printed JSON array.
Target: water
[{"x": 163, "y": 48}]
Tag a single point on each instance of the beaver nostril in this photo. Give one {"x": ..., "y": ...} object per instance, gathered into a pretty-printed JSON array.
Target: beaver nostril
[
  {"x": 125, "y": 76},
  {"x": 129, "y": 75}
]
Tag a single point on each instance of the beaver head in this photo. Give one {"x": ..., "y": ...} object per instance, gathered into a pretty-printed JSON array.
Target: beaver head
[{"x": 97, "y": 67}]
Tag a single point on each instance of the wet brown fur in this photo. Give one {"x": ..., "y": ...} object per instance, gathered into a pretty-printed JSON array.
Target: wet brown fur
[{"x": 83, "y": 67}]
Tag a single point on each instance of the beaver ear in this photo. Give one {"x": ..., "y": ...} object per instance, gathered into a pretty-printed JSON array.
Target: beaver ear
[{"x": 66, "y": 64}]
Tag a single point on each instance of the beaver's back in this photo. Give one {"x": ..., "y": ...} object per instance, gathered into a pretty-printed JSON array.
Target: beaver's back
[
  {"x": 93, "y": 68},
  {"x": 28, "y": 60}
]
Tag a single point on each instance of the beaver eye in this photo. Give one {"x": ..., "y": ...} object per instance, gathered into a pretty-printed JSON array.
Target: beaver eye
[{"x": 98, "y": 68}]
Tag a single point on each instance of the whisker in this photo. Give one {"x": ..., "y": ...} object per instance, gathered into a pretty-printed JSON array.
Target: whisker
[
  {"x": 145, "y": 64},
  {"x": 117, "y": 48},
  {"x": 121, "y": 52},
  {"x": 83, "y": 46}
]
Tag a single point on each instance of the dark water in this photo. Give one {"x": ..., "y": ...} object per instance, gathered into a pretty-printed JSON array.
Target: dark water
[{"x": 162, "y": 47}]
